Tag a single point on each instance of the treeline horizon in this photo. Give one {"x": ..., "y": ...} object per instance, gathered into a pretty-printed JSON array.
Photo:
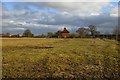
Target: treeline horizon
[{"x": 90, "y": 32}]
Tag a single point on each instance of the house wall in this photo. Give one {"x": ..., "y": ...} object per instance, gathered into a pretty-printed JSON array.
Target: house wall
[{"x": 65, "y": 35}]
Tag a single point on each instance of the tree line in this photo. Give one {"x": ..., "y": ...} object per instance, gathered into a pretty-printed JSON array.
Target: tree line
[{"x": 89, "y": 32}]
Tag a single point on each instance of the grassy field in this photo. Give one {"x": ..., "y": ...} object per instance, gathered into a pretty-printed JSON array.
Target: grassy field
[{"x": 60, "y": 58}]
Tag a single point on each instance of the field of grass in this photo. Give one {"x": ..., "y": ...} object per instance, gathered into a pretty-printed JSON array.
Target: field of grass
[{"x": 60, "y": 58}]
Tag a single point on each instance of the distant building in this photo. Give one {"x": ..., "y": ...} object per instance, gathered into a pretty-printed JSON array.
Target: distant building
[
  {"x": 16, "y": 35},
  {"x": 65, "y": 33},
  {"x": 5, "y": 35},
  {"x": 10, "y": 35}
]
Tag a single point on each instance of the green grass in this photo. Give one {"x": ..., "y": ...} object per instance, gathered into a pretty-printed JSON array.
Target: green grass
[{"x": 60, "y": 58}]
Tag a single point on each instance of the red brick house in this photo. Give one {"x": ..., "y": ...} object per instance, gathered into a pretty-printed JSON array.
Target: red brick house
[{"x": 65, "y": 33}]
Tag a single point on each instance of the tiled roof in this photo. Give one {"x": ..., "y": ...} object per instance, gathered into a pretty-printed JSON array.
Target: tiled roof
[{"x": 65, "y": 31}]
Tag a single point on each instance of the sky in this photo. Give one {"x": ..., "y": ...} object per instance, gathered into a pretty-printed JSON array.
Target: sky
[{"x": 42, "y": 17}]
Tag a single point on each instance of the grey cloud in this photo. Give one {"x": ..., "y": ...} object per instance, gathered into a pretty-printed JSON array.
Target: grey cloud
[{"x": 68, "y": 15}]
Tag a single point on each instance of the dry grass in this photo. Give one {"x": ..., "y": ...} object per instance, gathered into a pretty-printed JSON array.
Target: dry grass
[{"x": 60, "y": 58}]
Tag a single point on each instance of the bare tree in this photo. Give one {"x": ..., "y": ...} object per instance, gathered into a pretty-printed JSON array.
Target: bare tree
[
  {"x": 82, "y": 32},
  {"x": 92, "y": 30},
  {"x": 50, "y": 34},
  {"x": 28, "y": 33}
]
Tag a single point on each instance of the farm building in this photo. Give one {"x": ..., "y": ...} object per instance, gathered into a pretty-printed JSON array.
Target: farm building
[
  {"x": 16, "y": 35},
  {"x": 65, "y": 33},
  {"x": 5, "y": 35},
  {"x": 10, "y": 35}
]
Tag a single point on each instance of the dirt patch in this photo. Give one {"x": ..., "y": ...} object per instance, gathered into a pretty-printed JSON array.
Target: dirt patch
[{"x": 40, "y": 47}]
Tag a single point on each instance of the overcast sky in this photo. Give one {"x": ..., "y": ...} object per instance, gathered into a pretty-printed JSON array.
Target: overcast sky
[{"x": 43, "y": 17}]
